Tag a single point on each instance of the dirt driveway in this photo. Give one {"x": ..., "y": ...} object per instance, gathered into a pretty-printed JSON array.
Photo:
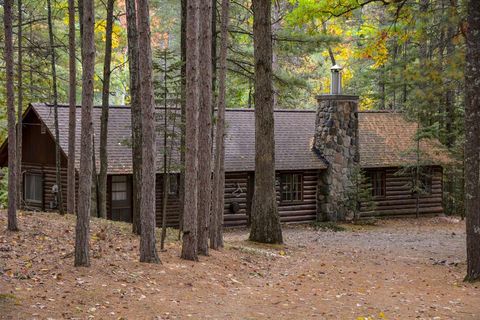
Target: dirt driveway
[{"x": 398, "y": 269}]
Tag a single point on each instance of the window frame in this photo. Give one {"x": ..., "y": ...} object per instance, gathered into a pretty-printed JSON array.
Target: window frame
[
  {"x": 25, "y": 178},
  {"x": 125, "y": 190},
  {"x": 282, "y": 185},
  {"x": 374, "y": 175}
]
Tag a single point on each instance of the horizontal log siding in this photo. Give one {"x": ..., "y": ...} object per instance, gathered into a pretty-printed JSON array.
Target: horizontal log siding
[
  {"x": 235, "y": 191},
  {"x": 303, "y": 211},
  {"x": 49, "y": 179},
  {"x": 173, "y": 205},
  {"x": 399, "y": 199}
]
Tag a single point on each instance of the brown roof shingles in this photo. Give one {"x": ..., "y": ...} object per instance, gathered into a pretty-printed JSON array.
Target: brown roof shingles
[{"x": 384, "y": 138}]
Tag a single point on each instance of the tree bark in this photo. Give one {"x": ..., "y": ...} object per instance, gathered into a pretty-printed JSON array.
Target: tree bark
[
  {"x": 205, "y": 127},
  {"x": 148, "y": 251},
  {"x": 218, "y": 201},
  {"x": 102, "y": 179},
  {"x": 183, "y": 75},
  {"x": 20, "y": 102},
  {"x": 189, "y": 246},
  {"x": 12, "y": 139},
  {"x": 136, "y": 113},
  {"x": 472, "y": 140},
  {"x": 265, "y": 220},
  {"x": 58, "y": 178},
  {"x": 82, "y": 230},
  {"x": 72, "y": 102}
]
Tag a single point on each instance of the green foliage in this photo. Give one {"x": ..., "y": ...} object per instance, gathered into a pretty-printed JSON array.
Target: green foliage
[
  {"x": 328, "y": 226},
  {"x": 359, "y": 194},
  {"x": 4, "y": 188}
]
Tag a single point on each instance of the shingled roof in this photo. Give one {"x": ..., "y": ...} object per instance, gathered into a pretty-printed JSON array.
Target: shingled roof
[
  {"x": 385, "y": 139},
  {"x": 388, "y": 140}
]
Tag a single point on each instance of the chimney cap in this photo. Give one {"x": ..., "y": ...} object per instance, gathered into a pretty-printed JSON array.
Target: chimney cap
[{"x": 336, "y": 68}]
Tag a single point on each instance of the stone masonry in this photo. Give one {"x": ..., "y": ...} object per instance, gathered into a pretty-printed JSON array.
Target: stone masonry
[{"x": 336, "y": 140}]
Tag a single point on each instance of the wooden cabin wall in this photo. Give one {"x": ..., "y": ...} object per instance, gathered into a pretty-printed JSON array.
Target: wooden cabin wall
[
  {"x": 239, "y": 188},
  {"x": 236, "y": 191},
  {"x": 49, "y": 179},
  {"x": 173, "y": 205},
  {"x": 305, "y": 210},
  {"x": 399, "y": 200}
]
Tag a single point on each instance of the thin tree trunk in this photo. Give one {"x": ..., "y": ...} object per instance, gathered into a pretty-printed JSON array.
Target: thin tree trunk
[
  {"x": 136, "y": 113},
  {"x": 205, "y": 127},
  {"x": 166, "y": 176},
  {"x": 148, "y": 251},
  {"x": 72, "y": 102},
  {"x": 183, "y": 75},
  {"x": 218, "y": 201},
  {"x": 20, "y": 103},
  {"x": 102, "y": 179},
  {"x": 189, "y": 246},
  {"x": 58, "y": 178},
  {"x": 472, "y": 140},
  {"x": 12, "y": 139},
  {"x": 82, "y": 230},
  {"x": 265, "y": 220}
]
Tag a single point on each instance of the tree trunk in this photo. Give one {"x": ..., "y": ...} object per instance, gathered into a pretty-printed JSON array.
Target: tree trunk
[
  {"x": 82, "y": 230},
  {"x": 136, "y": 113},
  {"x": 20, "y": 103},
  {"x": 218, "y": 200},
  {"x": 148, "y": 251},
  {"x": 72, "y": 92},
  {"x": 12, "y": 139},
  {"x": 166, "y": 173},
  {"x": 265, "y": 220},
  {"x": 183, "y": 74},
  {"x": 58, "y": 178},
  {"x": 102, "y": 179},
  {"x": 472, "y": 140},
  {"x": 205, "y": 126},
  {"x": 189, "y": 246}
]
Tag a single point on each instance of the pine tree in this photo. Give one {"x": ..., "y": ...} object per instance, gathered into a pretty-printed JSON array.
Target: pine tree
[
  {"x": 82, "y": 230},
  {"x": 265, "y": 220},
  {"x": 148, "y": 251},
  {"x": 12, "y": 139}
]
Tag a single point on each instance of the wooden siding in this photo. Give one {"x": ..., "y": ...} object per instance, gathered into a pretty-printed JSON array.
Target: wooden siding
[
  {"x": 173, "y": 205},
  {"x": 301, "y": 211},
  {"x": 48, "y": 173},
  {"x": 399, "y": 200},
  {"x": 236, "y": 190},
  {"x": 239, "y": 189}
]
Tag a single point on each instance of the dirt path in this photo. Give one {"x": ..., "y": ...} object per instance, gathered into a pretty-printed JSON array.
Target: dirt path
[{"x": 399, "y": 269}]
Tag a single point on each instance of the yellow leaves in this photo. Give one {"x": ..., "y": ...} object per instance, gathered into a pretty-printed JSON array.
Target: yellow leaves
[{"x": 381, "y": 315}]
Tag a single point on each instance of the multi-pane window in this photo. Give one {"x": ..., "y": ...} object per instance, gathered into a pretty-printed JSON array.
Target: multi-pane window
[
  {"x": 33, "y": 187},
  {"x": 378, "y": 183},
  {"x": 291, "y": 187},
  {"x": 119, "y": 188}
]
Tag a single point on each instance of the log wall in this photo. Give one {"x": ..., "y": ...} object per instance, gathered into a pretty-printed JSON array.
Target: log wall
[
  {"x": 399, "y": 200},
  {"x": 303, "y": 211}
]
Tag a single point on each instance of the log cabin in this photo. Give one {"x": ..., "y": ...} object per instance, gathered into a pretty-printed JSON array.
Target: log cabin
[{"x": 315, "y": 153}]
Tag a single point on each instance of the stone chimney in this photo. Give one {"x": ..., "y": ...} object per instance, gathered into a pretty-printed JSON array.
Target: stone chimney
[{"x": 336, "y": 140}]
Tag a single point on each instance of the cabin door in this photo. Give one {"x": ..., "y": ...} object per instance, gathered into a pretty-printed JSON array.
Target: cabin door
[{"x": 121, "y": 198}]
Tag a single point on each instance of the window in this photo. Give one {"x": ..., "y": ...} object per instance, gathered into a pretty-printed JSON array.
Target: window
[
  {"x": 173, "y": 185},
  {"x": 378, "y": 183},
  {"x": 119, "y": 188},
  {"x": 33, "y": 185},
  {"x": 291, "y": 188}
]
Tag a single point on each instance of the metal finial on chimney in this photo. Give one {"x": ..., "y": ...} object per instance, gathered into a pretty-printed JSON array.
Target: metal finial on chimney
[{"x": 336, "y": 81}]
